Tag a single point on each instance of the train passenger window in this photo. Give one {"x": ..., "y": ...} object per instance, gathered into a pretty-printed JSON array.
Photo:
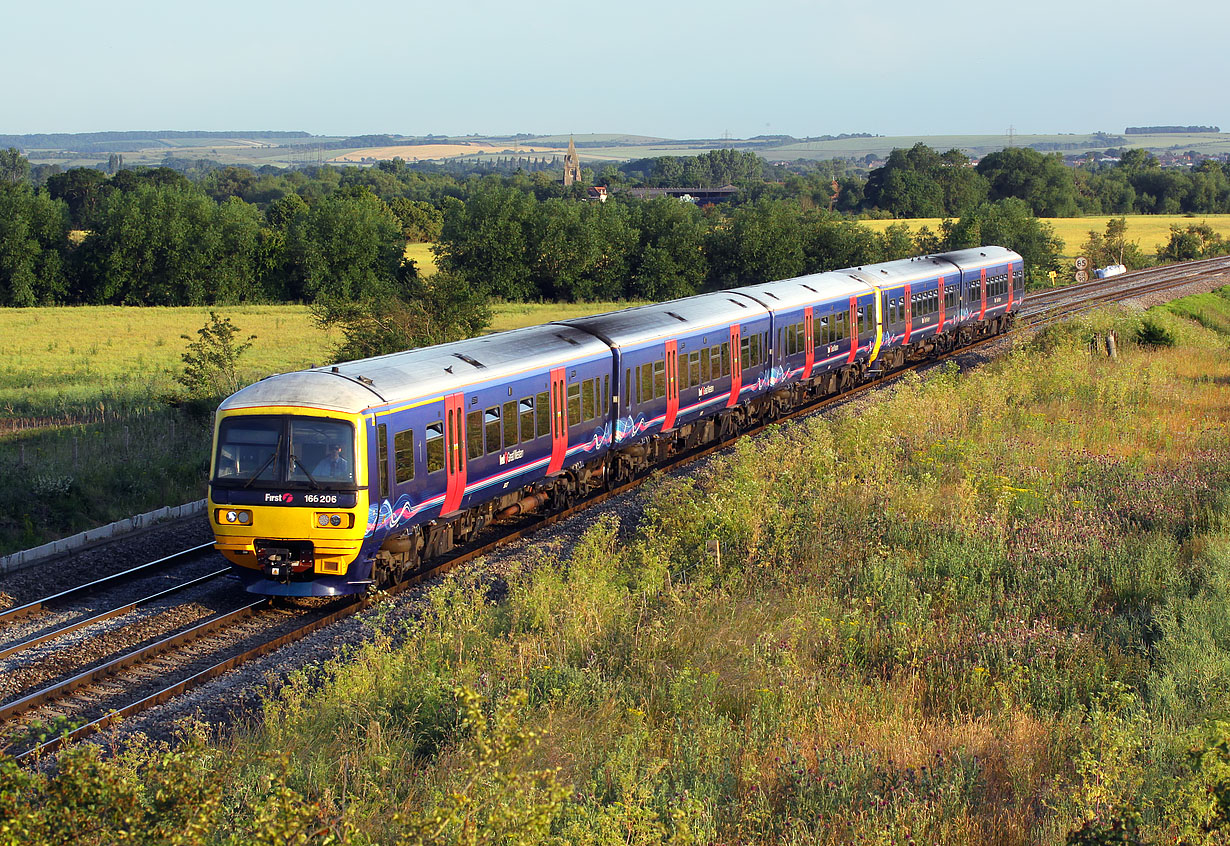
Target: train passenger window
[
  {"x": 792, "y": 341},
  {"x": 755, "y": 350},
  {"x": 745, "y": 355},
  {"x": 435, "y": 447},
  {"x": 574, "y": 404},
  {"x": 587, "y": 399},
  {"x": 627, "y": 388},
  {"x": 781, "y": 342},
  {"x": 725, "y": 356},
  {"x": 403, "y": 458},
  {"x": 681, "y": 368},
  {"x": 543, "y": 404},
  {"x": 606, "y": 396},
  {"x": 382, "y": 458},
  {"x": 647, "y": 381},
  {"x": 525, "y": 410},
  {"x": 491, "y": 422},
  {"x": 510, "y": 424},
  {"x": 705, "y": 357},
  {"x": 694, "y": 368},
  {"x": 474, "y": 434},
  {"x": 659, "y": 379}
]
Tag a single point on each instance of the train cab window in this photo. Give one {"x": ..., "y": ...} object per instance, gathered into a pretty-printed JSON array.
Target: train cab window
[
  {"x": 403, "y": 459},
  {"x": 491, "y": 422},
  {"x": 725, "y": 357},
  {"x": 588, "y": 400},
  {"x": 659, "y": 379},
  {"x": 525, "y": 410},
  {"x": 382, "y": 458},
  {"x": 510, "y": 423},
  {"x": 474, "y": 434},
  {"x": 574, "y": 404},
  {"x": 435, "y": 447},
  {"x": 322, "y": 448},
  {"x": 542, "y": 403}
]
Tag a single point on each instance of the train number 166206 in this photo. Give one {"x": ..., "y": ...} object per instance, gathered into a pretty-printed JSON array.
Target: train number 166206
[{"x": 321, "y": 499}]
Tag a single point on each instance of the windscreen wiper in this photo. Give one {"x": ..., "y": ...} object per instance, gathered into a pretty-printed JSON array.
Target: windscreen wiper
[
  {"x": 295, "y": 460},
  {"x": 268, "y": 461}
]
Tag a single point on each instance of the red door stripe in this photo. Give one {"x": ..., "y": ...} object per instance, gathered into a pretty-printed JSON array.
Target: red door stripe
[
  {"x": 454, "y": 443},
  {"x": 559, "y": 421},
  {"x": 809, "y": 341},
  {"x": 853, "y": 327},
  {"x": 736, "y": 367},
  {"x": 940, "y": 325},
  {"x": 672, "y": 385},
  {"x": 983, "y": 312},
  {"x": 909, "y": 315}
]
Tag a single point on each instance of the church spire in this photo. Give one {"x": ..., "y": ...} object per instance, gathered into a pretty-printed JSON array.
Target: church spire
[{"x": 572, "y": 164}]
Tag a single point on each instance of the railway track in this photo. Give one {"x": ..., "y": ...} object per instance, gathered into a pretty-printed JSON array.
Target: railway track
[{"x": 155, "y": 672}]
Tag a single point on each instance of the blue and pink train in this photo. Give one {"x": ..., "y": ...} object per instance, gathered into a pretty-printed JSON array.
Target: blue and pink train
[{"x": 330, "y": 480}]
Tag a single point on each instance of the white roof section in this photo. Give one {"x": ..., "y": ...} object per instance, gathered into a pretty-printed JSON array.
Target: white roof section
[
  {"x": 978, "y": 257},
  {"x": 645, "y": 324},
  {"x": 803, "y": 291},
  {"x": 356, "y": 386}
]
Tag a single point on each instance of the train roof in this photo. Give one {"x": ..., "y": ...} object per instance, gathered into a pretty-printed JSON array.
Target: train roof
[
  {"x": 356, "y": 386},
  {"x": 806, "y": 290},
  {"x": 643, "y": 324},
  {"x": 977, "y": 257}
]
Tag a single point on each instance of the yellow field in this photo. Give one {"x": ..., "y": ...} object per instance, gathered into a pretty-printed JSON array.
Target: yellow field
[
  {"x": 1149, "y": 230},
  {"x": 423, "y": 258},
  {"x": 420, "y": 152},
  {"x": 56, "y": 358}
]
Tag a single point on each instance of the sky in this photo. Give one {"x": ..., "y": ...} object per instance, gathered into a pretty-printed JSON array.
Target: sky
[{"x": 666, "y": 68}]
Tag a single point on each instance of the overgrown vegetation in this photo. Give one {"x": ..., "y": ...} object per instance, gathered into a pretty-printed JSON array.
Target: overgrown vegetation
[{"x": 989, "y": 608}]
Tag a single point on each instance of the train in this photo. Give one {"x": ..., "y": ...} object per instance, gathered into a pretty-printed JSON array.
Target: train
[{"x": 341, "y": 479}]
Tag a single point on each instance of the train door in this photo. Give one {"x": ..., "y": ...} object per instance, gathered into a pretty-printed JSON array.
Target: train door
[
  {"x": 455, "y": 453},
  {"x": 559, "y": 421},
  {"x": 982, "y": 285},
  {"x": 672, "y": 385},
  {"x": 940, "y": 320},
  {"x": 854, "y": 328},
  {"x": 736, "y": 366},
  {"x": 909, "y": 314},
  {"x": 809, "y": 342}
]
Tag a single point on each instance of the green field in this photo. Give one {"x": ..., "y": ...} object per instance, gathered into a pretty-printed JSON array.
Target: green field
[{"x": 1150, "y": 231}]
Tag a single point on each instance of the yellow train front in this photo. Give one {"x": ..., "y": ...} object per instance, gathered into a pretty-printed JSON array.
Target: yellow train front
[{"x": 288, "y": 498}]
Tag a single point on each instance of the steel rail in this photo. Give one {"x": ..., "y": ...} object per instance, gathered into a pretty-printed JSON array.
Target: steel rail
[
  {"x": 107, "y": 615},
  {"x": 38, "y": 605}
]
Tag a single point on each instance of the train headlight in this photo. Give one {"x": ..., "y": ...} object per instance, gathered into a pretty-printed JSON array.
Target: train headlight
[
  {"x": 335, "y": 520},
  {"x": 322, "y": 519},
  {"x": 245, "y": 517},
  {"x": 232, "y": 516}
]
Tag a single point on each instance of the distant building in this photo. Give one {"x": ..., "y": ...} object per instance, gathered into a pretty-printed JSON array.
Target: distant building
[
  {"x": 572, "y": 164},
  {"x": 700, "y": 196},
  {"x": 597, "y": 192}
]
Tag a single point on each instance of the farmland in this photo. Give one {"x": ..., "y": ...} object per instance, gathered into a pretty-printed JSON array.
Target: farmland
[
  {"x": 1003, "y": 624},
  {"x": 1149, "y": 230}
]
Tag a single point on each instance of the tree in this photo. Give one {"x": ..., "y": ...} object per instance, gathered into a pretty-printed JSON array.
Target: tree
[
  {"x": 1042, "y": 181},
  {"x": 83, "y": 190},
  {"x": 211, "y": 362},
  {"x": 344, "y": 245},
  {"x": 1195, "y": 241},
  {"x": 1113, "y": 247},
  {"x": 761, "y": 242},
  {"x": 33, "y": 240},
  {"x": 486, "y": 240},
  {"x": 420, "y": 221},
  {"x": 416, "y": 312},
  {"x": 14, "y": 167},
  {"x": 668, "y": 259}
]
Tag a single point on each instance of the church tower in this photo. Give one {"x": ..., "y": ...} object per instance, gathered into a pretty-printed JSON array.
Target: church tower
[{"x": 572, "y": 164}]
